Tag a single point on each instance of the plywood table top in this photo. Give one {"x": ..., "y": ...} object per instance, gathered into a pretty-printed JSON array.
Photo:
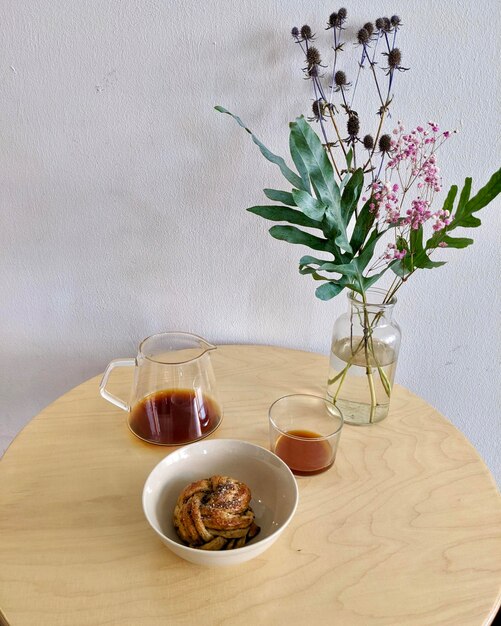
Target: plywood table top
[{"x": 404, "y": 529}]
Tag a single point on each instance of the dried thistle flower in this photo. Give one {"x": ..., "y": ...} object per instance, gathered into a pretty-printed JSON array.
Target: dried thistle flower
[
  {"x": 306, "y": 33},
  {"x": 368, "y": 142},
  {"x": 385, "y": 143},
  {"x": 340, "y": 78},
  {"x": 394, "y": 58},
  {"x": 342, "y": 14},
  {"x": 295, "y": 32},
  {"x": 313, "y": 56},
  {"x": 353, "y": 126},
  {"x": 369, "y": 27},
  {"x": 395, "y": 21},
  {"x": 317, "y": 109},
  {"x": 383, "y": 24},
  {"x": 332, "y": 21},
  {"x": 363, "y": 36},
  {"x": 337, "y": 19}
]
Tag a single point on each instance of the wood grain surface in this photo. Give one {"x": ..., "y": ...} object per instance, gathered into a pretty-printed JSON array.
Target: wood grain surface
[{"x": 404, "y": 529}]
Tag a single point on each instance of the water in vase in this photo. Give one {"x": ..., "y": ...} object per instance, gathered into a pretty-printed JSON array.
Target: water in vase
[{"x": 349, "y": 385}]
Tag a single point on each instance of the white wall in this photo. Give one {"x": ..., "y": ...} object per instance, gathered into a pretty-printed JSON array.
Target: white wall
[{"x": 123, "y": 193}]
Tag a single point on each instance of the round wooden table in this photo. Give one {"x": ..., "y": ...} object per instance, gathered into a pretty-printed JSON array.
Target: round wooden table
[{"x": 404, "y": 529}]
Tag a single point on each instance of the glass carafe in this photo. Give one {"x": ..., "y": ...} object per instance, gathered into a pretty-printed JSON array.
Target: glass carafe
[{"x": 174, "y": 399}]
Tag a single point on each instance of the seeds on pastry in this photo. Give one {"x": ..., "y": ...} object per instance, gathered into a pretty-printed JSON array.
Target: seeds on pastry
[{"x": 215, "y": 514}]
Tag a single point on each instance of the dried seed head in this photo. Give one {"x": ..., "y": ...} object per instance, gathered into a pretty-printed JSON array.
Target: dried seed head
[
  {"x": 337, "y": 19},
  {"x": 353, "y": 126},
  {"x": 394, "y": 58},
  {"x": 395, "y": 20},
  {"x": 386, "y": 24},
  {"x": 316, "y": 107},
  {"x": 306, "y": 32},
  {"x": 340, "y": 78},
  {"x": 363, "y": 36},
  {"x": 369, "y": 27},
  {"x": 368, "y": 142},
  {"x": 385, "y": 143},
  {"x": 342, "y": 14},
  {"x": 333, "y": 20},
  {"x": 313, "y": 56},
  {"x": 295, "y": 32},
  {"x": 380, "y": 23}
]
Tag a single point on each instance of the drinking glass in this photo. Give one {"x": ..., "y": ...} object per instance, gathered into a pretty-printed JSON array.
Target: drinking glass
[{"x": 304, "y": 432}]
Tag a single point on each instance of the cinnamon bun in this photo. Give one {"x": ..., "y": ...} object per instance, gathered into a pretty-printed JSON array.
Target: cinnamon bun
[{"x": 215, "y": 514}]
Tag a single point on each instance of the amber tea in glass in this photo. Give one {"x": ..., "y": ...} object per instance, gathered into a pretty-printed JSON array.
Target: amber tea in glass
[{"x": 304, "y": 432}]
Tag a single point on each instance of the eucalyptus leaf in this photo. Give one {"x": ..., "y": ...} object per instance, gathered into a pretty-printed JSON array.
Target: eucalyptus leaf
[{"x": 291, "y": 176}]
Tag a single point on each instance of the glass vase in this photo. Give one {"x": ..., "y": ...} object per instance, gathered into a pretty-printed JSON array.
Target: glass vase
[{"x": 363, "y": 359}]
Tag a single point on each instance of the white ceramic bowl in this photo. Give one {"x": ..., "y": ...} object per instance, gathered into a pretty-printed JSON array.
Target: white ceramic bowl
[{"x": 273, "y": 488}]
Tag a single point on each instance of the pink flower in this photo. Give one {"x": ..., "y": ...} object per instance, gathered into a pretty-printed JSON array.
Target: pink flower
[
  {"x": 442, "y": 219},
  {"x": 391, "y": 253}
]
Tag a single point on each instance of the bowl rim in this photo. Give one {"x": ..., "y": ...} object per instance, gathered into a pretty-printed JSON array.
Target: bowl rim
[{"x": 221, "y": 553}]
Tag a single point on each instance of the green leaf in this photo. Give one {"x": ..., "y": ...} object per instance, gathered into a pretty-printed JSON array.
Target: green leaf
[
  {"x": 362, "y": 227},
  {"x": 310, "y": 260},
  {"x": 365, "y": 255},
  {"x": 449, "y": 200},
  {"x": 294, "y": 235},
  {"x": 368, "y": 281},
  {"x": 283, "y": 214},
  {"x": 300, "y": 164},
  {"x": 457, "y": 242},
  {"x": 425, "y": 262},
  {"x": 330, "y": 289},
  {"x": 276, "y": 195},
  {"x": 309, "y": 205},
  {"x": 347, "y": 269},
  {"x": 312, "y": 271},
  {"x": 465, "y": 195},
  {"x": 291, "y": 176},
  {"x": 351, "y": 195},
  {"x": 416, "y": 240},
  {"x": 305, "y": 143},
  {"x": 464, "y": 215},
  {"x": 349, "y": 158},
  {"x": 400, "y": 268}
]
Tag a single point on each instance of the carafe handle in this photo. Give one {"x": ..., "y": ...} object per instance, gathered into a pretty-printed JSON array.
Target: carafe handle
[{"x": 102, "y": 385}]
